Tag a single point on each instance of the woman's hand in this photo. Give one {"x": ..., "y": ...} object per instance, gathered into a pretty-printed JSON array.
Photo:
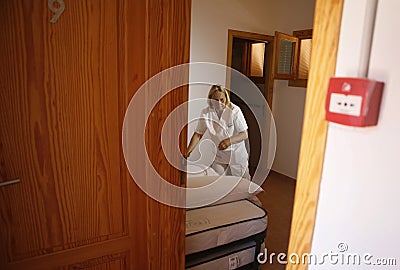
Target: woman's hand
[
  {"x": 193, "y": 142},
  {"x": 234, "y": 139},
  {"x": 224, "y": 144}
]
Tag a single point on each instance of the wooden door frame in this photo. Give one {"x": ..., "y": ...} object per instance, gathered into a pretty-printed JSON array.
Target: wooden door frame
[
  {"x": 326, "y": 31},
  {"x": 269, "y": 82}
]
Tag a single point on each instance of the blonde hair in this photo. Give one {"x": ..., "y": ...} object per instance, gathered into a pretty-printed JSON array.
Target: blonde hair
[{"x": 218, "y": 88}]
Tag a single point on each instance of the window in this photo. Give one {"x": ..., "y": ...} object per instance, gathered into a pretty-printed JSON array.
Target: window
[
  {"x": 257, "y": 59},
  {"x": 292, "y": 57},
  {"x": 304, "y": 58},
  {"x": 285, "y": 56}
]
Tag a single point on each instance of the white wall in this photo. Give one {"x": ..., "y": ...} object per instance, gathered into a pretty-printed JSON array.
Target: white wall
[
  {"x": 288, "y": 109},
  {"x": 211, "y": 20},
  {"x": 359, "y": 196}
]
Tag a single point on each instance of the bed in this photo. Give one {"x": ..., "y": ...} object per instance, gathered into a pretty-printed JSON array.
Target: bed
[{"x": 226, "y": 233}]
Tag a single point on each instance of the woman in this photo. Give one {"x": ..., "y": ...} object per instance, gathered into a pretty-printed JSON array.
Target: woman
[{"x": 228, "y": 130}]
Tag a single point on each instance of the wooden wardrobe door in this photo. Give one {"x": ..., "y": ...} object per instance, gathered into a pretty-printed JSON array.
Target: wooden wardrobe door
[{"x": 64, "y": 88}]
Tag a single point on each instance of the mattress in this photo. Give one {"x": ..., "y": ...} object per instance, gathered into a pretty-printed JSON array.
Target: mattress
[
  {"x": 232, "y": 257},
  {"x": 218, "y": 225}
]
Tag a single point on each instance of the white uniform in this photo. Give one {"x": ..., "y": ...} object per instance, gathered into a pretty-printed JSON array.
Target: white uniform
[{"x": 231, "y": 123}]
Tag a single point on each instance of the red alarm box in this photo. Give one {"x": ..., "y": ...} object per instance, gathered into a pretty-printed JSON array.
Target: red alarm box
[{"x": 354, "y": 101}]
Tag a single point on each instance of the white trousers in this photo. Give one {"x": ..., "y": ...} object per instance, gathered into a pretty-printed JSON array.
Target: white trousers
[{"x": 229, "y": 169}]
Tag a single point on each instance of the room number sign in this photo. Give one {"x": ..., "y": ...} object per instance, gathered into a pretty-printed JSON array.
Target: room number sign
[{"x": 58, "y": 7}]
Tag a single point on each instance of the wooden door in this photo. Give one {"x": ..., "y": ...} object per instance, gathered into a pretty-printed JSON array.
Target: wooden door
[{"x": 64, "y": 88}]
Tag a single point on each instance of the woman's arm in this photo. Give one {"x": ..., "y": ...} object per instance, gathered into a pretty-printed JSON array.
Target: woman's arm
[
  {"x": 193, "y": 142},
  {"x": 232, "y": 140}
]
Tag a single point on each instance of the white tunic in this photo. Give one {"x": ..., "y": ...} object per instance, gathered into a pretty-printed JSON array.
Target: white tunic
[{"x": 231, "y": 123}]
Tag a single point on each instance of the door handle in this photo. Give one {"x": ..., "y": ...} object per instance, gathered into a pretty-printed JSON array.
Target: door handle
[{"x": 6, "y": 183}]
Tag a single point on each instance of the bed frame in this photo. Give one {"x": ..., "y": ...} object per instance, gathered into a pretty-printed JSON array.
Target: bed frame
[{"x": 195, "y": 259}]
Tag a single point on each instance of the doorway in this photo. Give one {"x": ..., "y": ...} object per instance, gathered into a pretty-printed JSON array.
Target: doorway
[
  {"x": 208, "y": 39},
  {"x": 252, "y": 55}
]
